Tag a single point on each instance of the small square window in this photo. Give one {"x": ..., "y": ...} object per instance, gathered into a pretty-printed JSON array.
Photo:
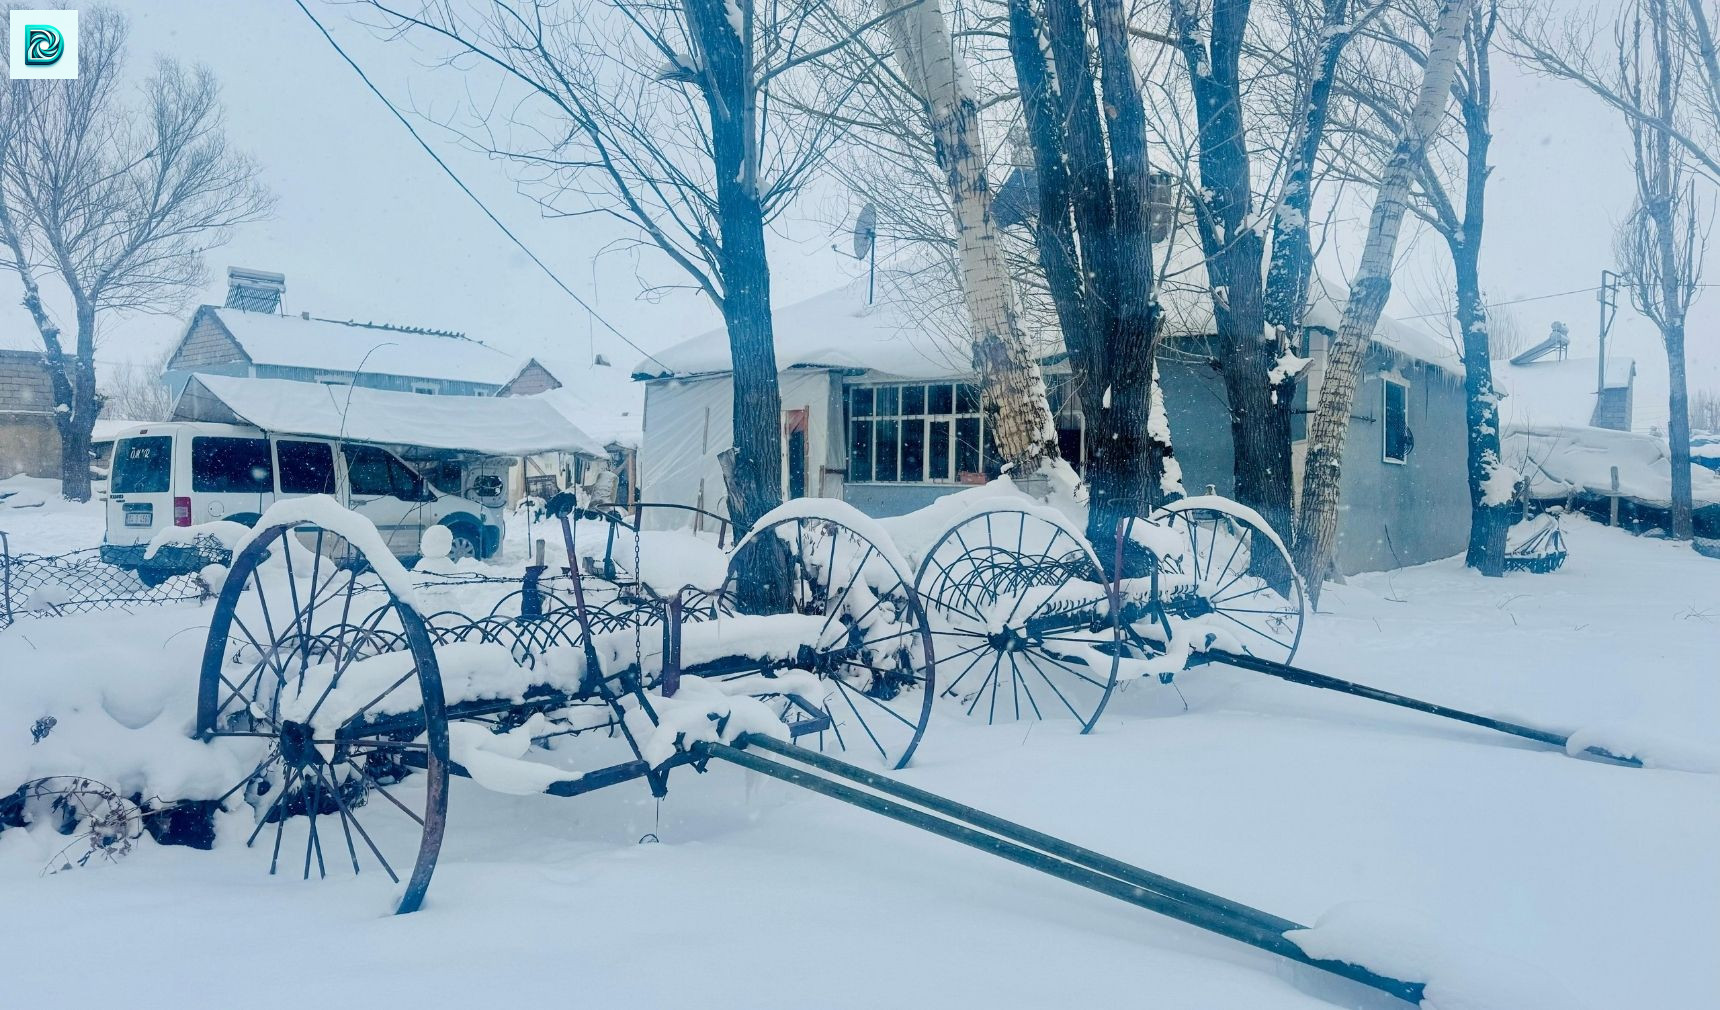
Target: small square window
[
  {"x": 860, "y": 401},
  {"x": 940, "y": 399},
  {"x": 967, "y": 399},
  {"x": 886, "y": 400},
  {"x": 913, "y": 400}
]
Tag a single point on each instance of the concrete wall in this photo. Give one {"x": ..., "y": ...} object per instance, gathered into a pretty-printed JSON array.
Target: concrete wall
[{"x": 29, "y": 440}]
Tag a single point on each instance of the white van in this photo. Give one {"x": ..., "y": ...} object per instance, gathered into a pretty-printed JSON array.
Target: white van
[{"x": 179, "y": 473}]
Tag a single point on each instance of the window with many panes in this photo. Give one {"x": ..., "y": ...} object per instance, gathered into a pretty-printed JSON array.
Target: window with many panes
[{"x": 918, "y": 432}]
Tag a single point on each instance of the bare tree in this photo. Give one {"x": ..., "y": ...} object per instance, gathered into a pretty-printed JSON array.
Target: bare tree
[
  {"x": 1579, "y": 48},
  {"x": 1449, "y": 193},
  {"x": 134, "y": 391},
  {"x": 666, "y": 116},
  {"x": 1257, "y": 362},
  {"x": 1016, "y": 403},
  {"x": 1093, "y": 239},
  {"x": 1317, "y": 519},
  {"x": 111, "y": 203},
  {"x": 1661, "y": 245},
  {"x": 1705, "y": 411}
]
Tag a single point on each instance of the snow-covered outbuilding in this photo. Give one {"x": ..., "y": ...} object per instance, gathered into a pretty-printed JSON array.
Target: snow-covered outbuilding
[
  {"x": 598, "y": 399},
  {"x": 882, "y": 409},
  {"x": 250, "y": 336}
]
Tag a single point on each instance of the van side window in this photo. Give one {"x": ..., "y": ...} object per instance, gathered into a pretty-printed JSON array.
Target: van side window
[
  {"x": 143, "y": 465},
  {"x": 366, "y": 469},
  {"x": 370, "y": 470},
  {"x": 231, "y": 464},
  {"x": 305, "y": 467}
]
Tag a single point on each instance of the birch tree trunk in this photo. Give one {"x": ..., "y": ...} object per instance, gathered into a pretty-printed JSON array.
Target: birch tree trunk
[
  {"x": 1317, "y": 520},
  {"x": 1017, "y": 410}
]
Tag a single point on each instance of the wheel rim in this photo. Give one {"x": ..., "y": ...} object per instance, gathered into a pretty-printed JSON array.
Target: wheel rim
[
  {"x": 872, "y": 652},
  {"x": 1218, "y": 578},
  {"x": 1021, "y": 612},
  {"x": 329, "y": 686},
  {"x": 464, "y": 546}
]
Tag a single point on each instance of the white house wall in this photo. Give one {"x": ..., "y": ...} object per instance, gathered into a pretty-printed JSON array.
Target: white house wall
[{"x": 689, "y": 422}]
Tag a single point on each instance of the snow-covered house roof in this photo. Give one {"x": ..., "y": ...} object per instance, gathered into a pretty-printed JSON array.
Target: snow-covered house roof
[
  {"x": 598, "y": 398},
  {"x": 333, "y": 346},
  {"x": 489, "y": 425},
  {"x": 838, "y": 329},
  {"x": 1556, "y": 392}
]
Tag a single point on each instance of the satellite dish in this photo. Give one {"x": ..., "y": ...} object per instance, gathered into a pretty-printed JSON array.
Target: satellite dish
[{"x": 865, "y": 230}]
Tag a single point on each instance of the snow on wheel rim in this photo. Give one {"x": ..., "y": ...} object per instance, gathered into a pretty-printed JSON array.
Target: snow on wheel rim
[
  {"x": 1021, "y": 610},
  {"x": 872, "y": 651},
  {"x": 1213, "y": 576},
  {"x": 328, "y": 681}
]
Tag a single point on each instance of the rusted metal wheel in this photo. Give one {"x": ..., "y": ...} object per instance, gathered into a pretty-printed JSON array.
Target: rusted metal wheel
[
  {"x": 861, "y": 631},
  {"x": 326, "y": 685},
  {"x": 1021, "y": 611}
]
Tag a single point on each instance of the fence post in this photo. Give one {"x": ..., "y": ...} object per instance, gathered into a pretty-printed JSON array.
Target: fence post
[
  {"x": 5, "y": 578},
  {"x": 531, "y": 593},
  {"x": 1612, "y": 510}
]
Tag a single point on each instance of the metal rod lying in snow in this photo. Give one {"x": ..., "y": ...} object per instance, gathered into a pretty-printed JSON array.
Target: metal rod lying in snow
[
  {"x": 1045, "y": 853},
  {"x": 1297, "y": 675}
]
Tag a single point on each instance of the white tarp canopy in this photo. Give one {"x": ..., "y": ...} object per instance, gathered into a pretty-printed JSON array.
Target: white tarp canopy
[
  {"x": 488, "y": 425},
  {"x": 1562, "y": 460}
]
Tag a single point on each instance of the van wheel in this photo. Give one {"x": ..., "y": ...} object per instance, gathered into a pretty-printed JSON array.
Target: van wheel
[{"x": 467, "y": 542}]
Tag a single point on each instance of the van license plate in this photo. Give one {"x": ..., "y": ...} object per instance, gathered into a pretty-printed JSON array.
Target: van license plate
[{"x": 139, "y": 515}]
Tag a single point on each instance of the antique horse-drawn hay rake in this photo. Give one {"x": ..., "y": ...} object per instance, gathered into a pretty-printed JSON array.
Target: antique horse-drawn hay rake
[{"x": 352, "y": 708}]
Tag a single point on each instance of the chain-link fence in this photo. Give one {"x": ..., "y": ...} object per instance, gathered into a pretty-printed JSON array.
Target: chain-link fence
[{"x": 79, "y": 582}]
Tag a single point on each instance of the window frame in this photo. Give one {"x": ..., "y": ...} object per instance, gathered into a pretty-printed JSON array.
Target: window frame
[
  {"x": 901, "y": 397},
  {"x": 200, "y": 479},
  {"x": 1386, "y": 382},
  {"x": 280, "y": 469},
  {"x": 425, "y": 388}
]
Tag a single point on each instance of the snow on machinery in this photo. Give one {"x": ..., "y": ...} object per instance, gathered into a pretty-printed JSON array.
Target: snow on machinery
[{"x": 351, "y": 707}]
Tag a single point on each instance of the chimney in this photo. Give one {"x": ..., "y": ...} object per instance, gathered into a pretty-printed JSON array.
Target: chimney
[{"x": 254, "y": 290}]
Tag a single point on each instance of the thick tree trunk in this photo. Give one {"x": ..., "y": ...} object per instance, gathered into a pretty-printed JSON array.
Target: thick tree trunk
[
  {"x": 1095, "y": 246},
  {"x": 1489, "y": 502},
  {"x": 1235, "y": 252},
  {"x": 754, "y": 477},
  {"x": 1017, "y": 409},
  {"x": 728, "y": 87},
  {"x": 1317, "y": 521}
]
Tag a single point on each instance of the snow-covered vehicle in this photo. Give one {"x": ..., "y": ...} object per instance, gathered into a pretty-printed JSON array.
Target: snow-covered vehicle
[{"x": 181, "y": 473}]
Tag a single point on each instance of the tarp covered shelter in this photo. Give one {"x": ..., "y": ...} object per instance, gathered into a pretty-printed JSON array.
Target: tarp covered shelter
[{"x": 486, "y": 425}]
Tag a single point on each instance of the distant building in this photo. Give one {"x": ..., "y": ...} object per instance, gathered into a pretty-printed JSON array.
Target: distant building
[
  {"x": 249, "y": 337},
  {"x": 599, "y": 399},
  {"x": 29, "y": 438},
  {"x": 1552, "y": 388}
]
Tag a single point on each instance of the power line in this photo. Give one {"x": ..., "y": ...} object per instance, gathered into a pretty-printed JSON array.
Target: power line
[
  {"x": 467, "y": 190},
  {"x": 1509, "y": 301},
  {"x": 1519, "y": 301}
]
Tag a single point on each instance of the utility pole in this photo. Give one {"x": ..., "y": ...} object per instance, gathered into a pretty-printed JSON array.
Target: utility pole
[{"x": 1607, "y": 295}]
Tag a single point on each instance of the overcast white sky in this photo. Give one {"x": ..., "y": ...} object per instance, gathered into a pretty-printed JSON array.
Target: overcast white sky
[{"x": 367, "y": 227}]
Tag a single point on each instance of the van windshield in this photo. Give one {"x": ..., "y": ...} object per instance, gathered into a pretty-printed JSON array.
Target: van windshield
[{"x": 142, "y": 465}]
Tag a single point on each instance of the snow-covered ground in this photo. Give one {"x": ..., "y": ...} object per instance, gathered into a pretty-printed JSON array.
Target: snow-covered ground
[
  {"x": 36, "y": 520},
  {"x": 1606, "y": 879}
]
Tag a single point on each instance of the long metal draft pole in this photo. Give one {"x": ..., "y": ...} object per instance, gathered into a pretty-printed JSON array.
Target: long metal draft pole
[
  {"x": 1243, "y": 924},
  {"x": 1297, "y": 675}
]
